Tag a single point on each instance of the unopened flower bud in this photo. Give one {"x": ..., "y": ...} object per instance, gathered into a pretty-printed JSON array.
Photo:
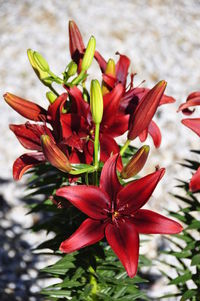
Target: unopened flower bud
[
  {"x": 89, "y": 54},
  {"x": 110, "y": 68},
  {"x": 54, "y": 155},
  {"x": 40, "y": 66},
  {"x": 71, "y": 69},
  {"x": 40, "y": 61},
  {"x": 96, "y": 101},
  {"x": 108, "y": 76},
  {"x": 136, "y": 163},
  {"x": 51, "y": 96}
]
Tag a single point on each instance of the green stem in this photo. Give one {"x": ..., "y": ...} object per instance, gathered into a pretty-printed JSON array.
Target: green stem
[
  {"x": 125, "y": 147},
  {"x": 96, "y": 145},
  {"x": 53, "y": 90}
]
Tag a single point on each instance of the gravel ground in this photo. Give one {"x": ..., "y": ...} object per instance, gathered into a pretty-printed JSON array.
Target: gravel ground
[{"x": 162, "y": 38}]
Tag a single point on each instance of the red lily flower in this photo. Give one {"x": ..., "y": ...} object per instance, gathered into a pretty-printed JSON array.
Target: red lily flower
[
  {"x": 29, "y": 134},
  {"x": 115, "y": 211},
  {"x": 78, "y": 128}
]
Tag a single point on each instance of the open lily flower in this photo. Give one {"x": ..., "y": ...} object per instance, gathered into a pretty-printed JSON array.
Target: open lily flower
[
  {"x": 78, "y": 128},
  {"x": 115, "y": 212}
]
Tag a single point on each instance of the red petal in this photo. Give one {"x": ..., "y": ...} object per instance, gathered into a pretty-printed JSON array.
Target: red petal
[
  {"x": 155, "y": 133},
  {"x": 29, "y": 134},
  {"x": 55, "y": 109},
  {"x": 101, "y": 61},
  {"x": 122, "y": 69},
  {"x": 109, "y": 80},
  {"x": 195, "y": 181},
  {"x": 143, "y": 135},
  {"x": 109, "y": 181},
  {"x": 76, "y": 45},
  {"x": 71, "y": 123},
  {"x": 193, "y": 99},
  {"x": 54, "y": 112},
  {"x": 108, "y": 146},
  {"x": 111, "y": 102},
  {"x": 166, "y": 99},
  {"x": 146, "y": 110},
  {"x": 124, "y": 240},
  {"x": 26, "y": 108},
  {"x": 89, "y": 232},
  {"x": 118, "y": 127},
  {"x": 149, "y": 222},
  {"x": 91, "y": 200},
  {"x": 25, "y": 162},
  {"x": 136, "y": 194},
  {"x": 193, "y": 124},
  {"x": 79, "y": 105},
  {"x": 26, "y": 137}
]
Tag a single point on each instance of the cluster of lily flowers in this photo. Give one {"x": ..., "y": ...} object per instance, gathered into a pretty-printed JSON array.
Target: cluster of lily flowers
[{"x": 77, "y": 131}]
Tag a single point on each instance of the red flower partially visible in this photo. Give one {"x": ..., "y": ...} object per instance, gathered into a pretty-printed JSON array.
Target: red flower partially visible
[
  {"x": 115, "y": 212},
  {"x": 192, "y": 100},
  {"x": 194, "y": 184}
]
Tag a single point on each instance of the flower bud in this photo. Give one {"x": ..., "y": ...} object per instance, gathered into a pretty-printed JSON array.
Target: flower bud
[
  {"x": 54, "y": 155},
  {"x": 40, "y": 66},
  {"x": 71, "y": 69},
  {"x": 110, "y": 68},
  {"x": 136, "y": 163},
  {"x": 145, "y": 110},
  {"x": 96, "y": 101},
  {"x": 26, "y": 108},
  {"x": 51, "y": 97},
  {"x": 110, "y": 72},
  {"x": 89, "y": 54},
  {"x": 40, "y": 61}
]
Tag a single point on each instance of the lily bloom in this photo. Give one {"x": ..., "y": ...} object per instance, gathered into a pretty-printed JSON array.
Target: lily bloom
[
  {"x": 29, "y": 134},
  {"x": 78, "y": 127},
  {"x": 115, "y": 212}
]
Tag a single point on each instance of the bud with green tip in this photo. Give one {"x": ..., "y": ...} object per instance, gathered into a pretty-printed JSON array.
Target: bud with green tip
[
  {"x": 41, "y": 62},
  {"x": 136, "y": 163},
  {"x": 71, "y": 69},
  {"x": 40, "y": 66},
  {"x": 89, "y": 54},
  {"x": 51, "y": 97},
  {"x": 96, "y": 101}
]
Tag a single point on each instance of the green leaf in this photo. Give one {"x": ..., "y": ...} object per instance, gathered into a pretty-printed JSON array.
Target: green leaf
[
  {"x": 196, "y": 260},
  {"x": 182, "y": 278},
  {"x": 188, "y": 295}
]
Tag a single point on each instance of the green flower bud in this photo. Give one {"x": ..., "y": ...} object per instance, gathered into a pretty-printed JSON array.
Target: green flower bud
[
  {"x": 51, "y": 97},
  {"x": 96, "y": 101},
  {"x": 89, "y": 54},
  {"x": 41, "y": 62},
  {"x": 71, "y": 69},
  {"x": 42, "y": 75}
]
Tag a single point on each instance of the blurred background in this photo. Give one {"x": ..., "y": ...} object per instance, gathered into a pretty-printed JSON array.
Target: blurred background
[{"x": 162, "y": 39}]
